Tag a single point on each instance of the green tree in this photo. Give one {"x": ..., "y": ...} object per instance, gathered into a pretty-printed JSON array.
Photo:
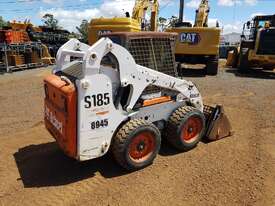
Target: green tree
[
  {"x": 2, "y": 22},
  {"x": 83, "y": 30},
  {"x": 50, "y": 21}
]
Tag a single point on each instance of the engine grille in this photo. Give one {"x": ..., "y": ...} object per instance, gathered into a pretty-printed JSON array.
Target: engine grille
[
  {"x": 150, "y": 49},
  {"x": 154, "y": 50},
  {"x": 154, "y": 53},
  {"x": 72, "y": 70},
  {"x": 267, "y": 42}
]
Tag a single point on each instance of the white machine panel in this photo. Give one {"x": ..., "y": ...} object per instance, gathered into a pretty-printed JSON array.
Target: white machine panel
[{"x": 97, "y": 116}]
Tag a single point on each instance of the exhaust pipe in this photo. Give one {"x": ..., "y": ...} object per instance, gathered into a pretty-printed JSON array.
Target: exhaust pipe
[{"x": 181, "y": 12}]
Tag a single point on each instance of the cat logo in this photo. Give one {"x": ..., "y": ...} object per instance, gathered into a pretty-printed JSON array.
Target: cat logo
[{"x": 190, "y": 38}]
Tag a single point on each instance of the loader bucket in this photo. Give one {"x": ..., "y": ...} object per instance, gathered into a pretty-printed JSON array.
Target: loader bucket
[
  {"x": 230, "y": 59},
  {"x": 217, "y": 123}
]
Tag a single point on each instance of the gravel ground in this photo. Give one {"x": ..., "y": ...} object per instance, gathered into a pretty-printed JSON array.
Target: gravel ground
[{"x": 234, "y": 171}]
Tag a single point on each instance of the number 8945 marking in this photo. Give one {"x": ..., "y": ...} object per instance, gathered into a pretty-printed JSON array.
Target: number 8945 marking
[{"x": 99, "y": 124}]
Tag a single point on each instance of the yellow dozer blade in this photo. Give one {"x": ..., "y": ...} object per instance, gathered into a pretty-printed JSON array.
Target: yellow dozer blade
[{"x": 217, "y": 123}]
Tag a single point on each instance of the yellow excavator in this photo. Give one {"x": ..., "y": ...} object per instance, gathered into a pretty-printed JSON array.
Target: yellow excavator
[
  {"x": 198, "y": 44},
  {"x": 135, "y": 23}
]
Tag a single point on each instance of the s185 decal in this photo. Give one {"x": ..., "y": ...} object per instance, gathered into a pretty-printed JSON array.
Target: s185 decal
[{"x": 97, "y": 100}]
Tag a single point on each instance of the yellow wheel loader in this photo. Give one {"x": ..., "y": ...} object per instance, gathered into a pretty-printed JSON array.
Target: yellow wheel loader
[
  {"x": 257, "y": 48},
  {"x": 97, "y": 99},
  {"x": 198, "y": 44}
]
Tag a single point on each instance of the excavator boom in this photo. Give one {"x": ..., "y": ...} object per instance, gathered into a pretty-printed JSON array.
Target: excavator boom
[
  {"x": 139, "y": 11},
  {"x": 202, "y": 12}
]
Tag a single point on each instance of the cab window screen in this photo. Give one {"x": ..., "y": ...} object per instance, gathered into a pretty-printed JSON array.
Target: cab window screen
[{"x": 116, "y": 39}]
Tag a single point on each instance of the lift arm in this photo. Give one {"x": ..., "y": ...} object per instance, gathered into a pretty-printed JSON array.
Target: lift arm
[{"x": 138, "y": 77}]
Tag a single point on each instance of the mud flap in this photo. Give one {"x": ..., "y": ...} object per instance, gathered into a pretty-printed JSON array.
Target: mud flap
[{"x": 217, "y": 123}]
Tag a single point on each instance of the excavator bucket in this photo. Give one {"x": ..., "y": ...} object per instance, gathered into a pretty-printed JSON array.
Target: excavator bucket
[
  {"x": 230, "y": 59},
  {"x": 217, "y": 123}
]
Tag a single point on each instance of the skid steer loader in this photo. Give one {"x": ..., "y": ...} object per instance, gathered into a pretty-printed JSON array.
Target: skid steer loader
[{"x": 95, "y": 102}]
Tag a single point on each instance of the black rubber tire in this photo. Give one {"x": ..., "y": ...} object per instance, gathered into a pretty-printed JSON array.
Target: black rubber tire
[
  {"x": 243, "y": 65},
  {"x": 175, "y": 124},
  {"x": 212, "y": 65},
  {"x": 123, "y": 138},
  {"x": 236, "y": 57}
]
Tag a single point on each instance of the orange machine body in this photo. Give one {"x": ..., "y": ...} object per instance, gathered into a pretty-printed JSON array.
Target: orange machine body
[
  {"x": 13, "y": 37},
  {"x": 60, "y": 113}
]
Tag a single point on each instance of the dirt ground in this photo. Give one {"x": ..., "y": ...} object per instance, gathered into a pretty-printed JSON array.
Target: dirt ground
[{"x": 239, "y": 170}]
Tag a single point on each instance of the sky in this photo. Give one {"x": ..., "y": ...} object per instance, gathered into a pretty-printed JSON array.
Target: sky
[{"x": 231, "y": 14}]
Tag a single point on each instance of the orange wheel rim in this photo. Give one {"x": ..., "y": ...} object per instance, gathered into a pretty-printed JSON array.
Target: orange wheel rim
[
  {"x": 142, "y": 146},
  {"x": 192, "y": 129}
]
